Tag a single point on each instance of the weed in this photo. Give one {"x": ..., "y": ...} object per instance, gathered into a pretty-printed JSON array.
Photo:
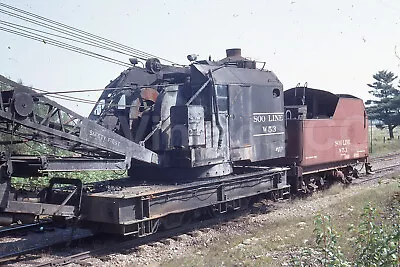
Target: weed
[{"x": 376, "y": 242}]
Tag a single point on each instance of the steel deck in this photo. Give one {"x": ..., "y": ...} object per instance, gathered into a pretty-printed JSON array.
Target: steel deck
[{"x": 126, "y": 207}]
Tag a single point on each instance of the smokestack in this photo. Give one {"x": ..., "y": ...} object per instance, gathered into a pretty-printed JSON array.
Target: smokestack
[{"x": 234, "y": 52}]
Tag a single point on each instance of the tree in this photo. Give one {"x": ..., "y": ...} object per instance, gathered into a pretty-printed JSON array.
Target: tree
[{"x": 386, "y": 105}]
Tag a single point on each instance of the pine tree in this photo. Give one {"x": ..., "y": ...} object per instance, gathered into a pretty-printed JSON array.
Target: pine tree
[{"x": 386, "y": 105}]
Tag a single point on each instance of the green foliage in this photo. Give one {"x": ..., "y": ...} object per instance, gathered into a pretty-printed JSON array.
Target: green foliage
[
  {"x": 328, "y": 252},
  {"x": 92, "y": 176},
  {"x": 86, "y": 177},
  {"x": 27, "y": 148},
  {"x": 376, "y": 242},
  {"x": 326, "y": 239},
  {"x": 383, "y": 86},
  {"x": 386, "y": 105},
  {"x": 30, "y": 148}
]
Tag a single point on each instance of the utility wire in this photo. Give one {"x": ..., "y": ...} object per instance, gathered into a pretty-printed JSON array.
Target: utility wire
[
  {"x": 75, "y": 35},
  {"x": 59, "y": 44},
  {"x": 85, "y": 34},
  {"x": 22, "y": 27},
  {"x": 60, "y": 30}
]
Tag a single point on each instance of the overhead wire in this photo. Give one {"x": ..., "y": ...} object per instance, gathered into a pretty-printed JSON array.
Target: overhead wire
[
  {"x": 60, "y": 30},
  {"x": 71, "y": 34},
  {"x": 82, "y": 34},
  {"x": 25, "y": 28},
  {"x": 69, "y": 47}
]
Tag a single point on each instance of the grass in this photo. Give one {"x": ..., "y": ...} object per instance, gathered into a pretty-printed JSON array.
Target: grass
[
  {"x": 349, "y": 213},
  {"x": 270, "y": 243},
  {"x": 85, "y": 176},
  {"x": 381, "y": 144}
]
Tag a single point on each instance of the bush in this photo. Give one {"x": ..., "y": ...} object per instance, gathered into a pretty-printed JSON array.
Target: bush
[
  {"x": 375, "y": 239},
  {"x": 377, "y": 243}
]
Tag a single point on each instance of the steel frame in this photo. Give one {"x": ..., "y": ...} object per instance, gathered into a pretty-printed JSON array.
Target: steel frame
[
  {"x": 141, "y": 213},
  {"x": 43, "y": 120}
]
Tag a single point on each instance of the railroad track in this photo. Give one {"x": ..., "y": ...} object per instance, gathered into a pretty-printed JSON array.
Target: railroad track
[
  {"x": 132, "y": 243},
  {"x": 383, "y": 157},
  {"x": 37, "y": 238},
  {"x": 25, "y": 228},
  {"x": 365, "y": 179},
  {"x": 129, "y": 244}
]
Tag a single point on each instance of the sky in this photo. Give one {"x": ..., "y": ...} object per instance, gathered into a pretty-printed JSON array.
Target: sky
[{"x": 332, "y": 45}]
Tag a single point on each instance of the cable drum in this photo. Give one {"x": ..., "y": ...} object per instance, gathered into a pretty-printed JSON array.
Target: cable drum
[{"x": 23, "y": 104}]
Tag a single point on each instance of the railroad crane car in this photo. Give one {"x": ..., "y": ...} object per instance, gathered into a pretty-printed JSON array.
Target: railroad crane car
[
  {"x": 196, "y": 140},
  {"x": 207, "y": 117}
]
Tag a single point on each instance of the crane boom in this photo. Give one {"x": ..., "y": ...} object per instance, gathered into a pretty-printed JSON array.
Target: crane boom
[{"x": 31, "y": 116}]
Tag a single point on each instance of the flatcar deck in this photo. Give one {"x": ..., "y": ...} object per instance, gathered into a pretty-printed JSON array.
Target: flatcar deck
[{"x": 125, "y": 207}]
